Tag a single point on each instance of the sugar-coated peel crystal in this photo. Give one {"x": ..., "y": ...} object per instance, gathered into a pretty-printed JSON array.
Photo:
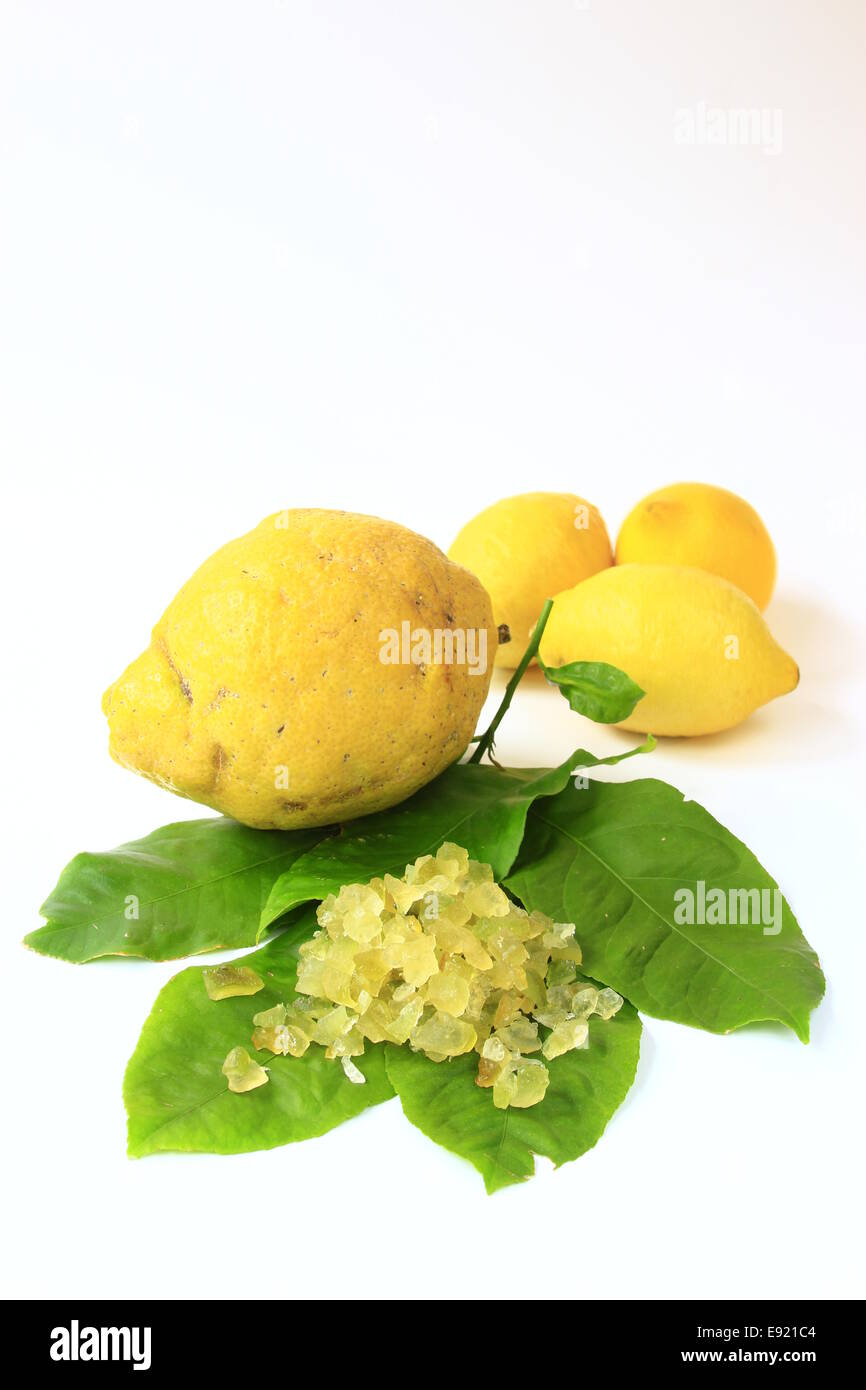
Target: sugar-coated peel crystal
[
  {"x": 444, "y": 1036},
  {"x": 444, "y": 961},
  {"x": 570, "y": 1033},
  {"x": 609, "y": 1002},
  {"x": 354, "y": 1074},
  {"x": 242, "y": 1072},
  {"x": 286, "y": 1032},
  {"x": 228, "y": 981}
]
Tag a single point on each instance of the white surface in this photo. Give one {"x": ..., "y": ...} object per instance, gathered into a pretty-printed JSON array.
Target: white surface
[{"x": 407, "y": 258}]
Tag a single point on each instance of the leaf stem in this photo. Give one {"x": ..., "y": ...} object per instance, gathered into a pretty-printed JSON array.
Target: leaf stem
[{"x": 485, "y": 741}]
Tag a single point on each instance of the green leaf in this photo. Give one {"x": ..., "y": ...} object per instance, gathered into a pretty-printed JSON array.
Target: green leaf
[
  {"x": 177, "y": 1098},
  {"x": 443, "y": 1101},
  {"x": 611, "y": 857},
  {"x": 480, "y": 807},
  {"x": 595, "y": 689},
  {"x": 198, "y": 885}
]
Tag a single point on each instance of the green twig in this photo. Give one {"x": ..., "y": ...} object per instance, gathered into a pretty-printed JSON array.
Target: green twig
[{"x": 485, "y": 741}]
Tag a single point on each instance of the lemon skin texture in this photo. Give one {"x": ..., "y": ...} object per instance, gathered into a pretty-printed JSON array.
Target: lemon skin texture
[
  {"x": 696, "y": 644},
  {"x": 263, "y": 695},
  {"x": 704, "y": 526},
  {"x": 524, "y": 550}
]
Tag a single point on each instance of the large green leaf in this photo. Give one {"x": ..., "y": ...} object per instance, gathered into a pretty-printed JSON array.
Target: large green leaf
[
  {"x": 611, "y": 858},
  {"x": 177, "y": 1098},
  {"x": 443, "y": 1101},
  {"x": 479, "y": 806},
  {"x": 198, "y": 885}
]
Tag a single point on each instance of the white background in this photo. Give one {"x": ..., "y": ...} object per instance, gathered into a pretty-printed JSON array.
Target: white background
[{"x": 407, "y": 258}]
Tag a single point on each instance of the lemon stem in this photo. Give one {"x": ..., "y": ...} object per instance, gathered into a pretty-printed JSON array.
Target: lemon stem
[{"x": 485, "y": 740}]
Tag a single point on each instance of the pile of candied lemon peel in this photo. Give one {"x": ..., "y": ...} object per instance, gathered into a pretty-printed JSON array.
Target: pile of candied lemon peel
[{"x": 443, "y": 960}]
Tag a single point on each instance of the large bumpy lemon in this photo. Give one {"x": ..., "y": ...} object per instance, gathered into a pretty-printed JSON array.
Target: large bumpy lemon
[
  {"x": 696, "y": 644},
  {"x": 708, "y": 527},
  {"x": 322, "y": 666},
  {"x": 526, "y": 549}
]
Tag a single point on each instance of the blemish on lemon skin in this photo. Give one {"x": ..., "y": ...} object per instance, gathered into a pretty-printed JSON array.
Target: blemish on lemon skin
[{"x": 222, "y": 694}]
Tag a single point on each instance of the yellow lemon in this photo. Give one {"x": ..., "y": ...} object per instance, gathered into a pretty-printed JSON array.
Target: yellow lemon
[
  {"x": 705, "y": 526},
  {"x": 526, "y": 549},
  {"x": 323, "y": 666},
  {"x": 696, "y": 644}
]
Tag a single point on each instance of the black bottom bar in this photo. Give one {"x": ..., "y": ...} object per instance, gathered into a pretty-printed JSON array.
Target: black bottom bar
[{"x": 248, "y": 1340}]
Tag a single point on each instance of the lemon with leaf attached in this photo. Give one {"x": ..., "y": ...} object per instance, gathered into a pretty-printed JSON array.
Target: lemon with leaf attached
[{"x": 696, "y": 645}]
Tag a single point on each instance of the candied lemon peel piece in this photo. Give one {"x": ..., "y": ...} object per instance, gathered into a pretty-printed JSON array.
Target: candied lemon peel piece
[
  {"x": 229, "y": 981},
  {"x": 444, "y": 961},
  {"x": 243, "y": 1073}
]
